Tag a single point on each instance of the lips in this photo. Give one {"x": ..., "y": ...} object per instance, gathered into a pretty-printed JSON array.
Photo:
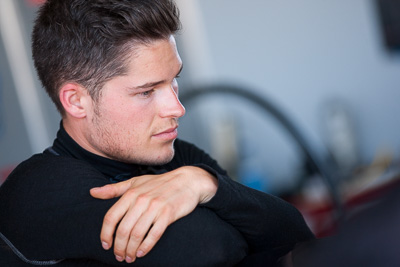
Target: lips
[{"x": 169, "y": 134}]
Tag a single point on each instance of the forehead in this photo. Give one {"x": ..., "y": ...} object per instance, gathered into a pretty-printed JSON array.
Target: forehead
[
  {"x": 156, "y": 55},
  {"x": 157, "y": 62}
]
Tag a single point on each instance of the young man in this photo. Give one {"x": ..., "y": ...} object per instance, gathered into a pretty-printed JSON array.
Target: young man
[{"x": 117, "y": 187}]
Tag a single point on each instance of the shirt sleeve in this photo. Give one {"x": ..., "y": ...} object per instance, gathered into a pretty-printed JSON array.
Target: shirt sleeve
[
  {"x": 47, "y": 213},
  {"x": 267, "y": 222}
]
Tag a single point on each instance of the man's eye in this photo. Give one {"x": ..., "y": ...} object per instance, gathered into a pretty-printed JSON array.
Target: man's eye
[{"x": 146, "y": 93}]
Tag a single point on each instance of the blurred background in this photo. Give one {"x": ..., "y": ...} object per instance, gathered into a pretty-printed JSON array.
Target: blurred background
[{"x": 326, "y": 74}]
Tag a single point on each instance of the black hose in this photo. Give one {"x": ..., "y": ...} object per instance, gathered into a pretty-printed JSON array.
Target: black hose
[{"x": 316, "y": 165}]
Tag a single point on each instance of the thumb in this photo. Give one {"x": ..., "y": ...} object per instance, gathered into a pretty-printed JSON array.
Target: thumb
[{"x": 110, "y": 190}]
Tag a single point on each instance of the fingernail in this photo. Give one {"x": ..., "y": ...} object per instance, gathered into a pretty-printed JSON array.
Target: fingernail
[
  {"x": 128, "y": 259},
  {"x": 119, "y": 258},
  {"x": 105, "y": 245},
  {"x": 139, "y": 254}
]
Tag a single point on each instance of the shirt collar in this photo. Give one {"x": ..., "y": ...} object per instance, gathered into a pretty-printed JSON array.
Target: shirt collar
[{"x": 117, "y": 171}]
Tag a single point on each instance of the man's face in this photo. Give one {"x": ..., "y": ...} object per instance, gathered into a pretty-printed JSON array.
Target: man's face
[{"x": 136, "y": 117}]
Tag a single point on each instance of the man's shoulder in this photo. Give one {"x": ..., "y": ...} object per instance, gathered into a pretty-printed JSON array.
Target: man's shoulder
[
  {"x": 48, "y": 196},
  {"x": 187, "y": 153},
  {"x": 54, "y": 162},
  {"x": 186, "y": 149},
  {"x": 50, "y": 167},
  {"x": 182, "y": 144}
]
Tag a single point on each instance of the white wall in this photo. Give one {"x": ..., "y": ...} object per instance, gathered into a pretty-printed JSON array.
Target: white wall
[
  {"x": 303, "y": 53},
  {"x": 28, "y": 119}
]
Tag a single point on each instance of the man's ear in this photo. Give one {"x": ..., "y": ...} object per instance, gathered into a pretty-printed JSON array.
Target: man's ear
[{"x": 74, "y": 99}]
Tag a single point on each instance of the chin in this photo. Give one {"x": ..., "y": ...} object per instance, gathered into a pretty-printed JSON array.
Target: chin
[{"x": 161, "y": 157}]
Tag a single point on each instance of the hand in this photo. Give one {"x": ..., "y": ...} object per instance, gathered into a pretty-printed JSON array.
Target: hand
[{"x": 150, "y": 203}]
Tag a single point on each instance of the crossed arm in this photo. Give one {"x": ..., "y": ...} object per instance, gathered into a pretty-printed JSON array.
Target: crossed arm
[{"x": 148, "y": 205}]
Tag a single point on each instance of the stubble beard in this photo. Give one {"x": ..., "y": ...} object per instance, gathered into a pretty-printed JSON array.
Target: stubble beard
[{"x": 113, "y": 149}]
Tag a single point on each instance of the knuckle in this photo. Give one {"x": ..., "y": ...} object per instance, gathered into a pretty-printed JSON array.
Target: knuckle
[
  {"x": 141, "y": 199},
  {"x": 129, "y": 193},
  {"x": 123, "y": 231},
  {"x": 119, "y": 249},
  {"x": 145, "y": 248},
  {"x": 156, "y": 234},
  {"x": 109, "y": 218},
  {"x": 158, "y": 202},
  {"x": 118, "y": 252},
  {"x": 132, "y": 183},
  {"x": 155, "y": 204},
  {"x": 136, "y": 235},
  {"x": 168, "y": 211}
]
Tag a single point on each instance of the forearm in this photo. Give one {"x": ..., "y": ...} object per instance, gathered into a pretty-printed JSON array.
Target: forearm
[
  {"x": 201, "y": 182},
  {"x": 264, "y": 220},
  {"x": 158, "y": 200}
]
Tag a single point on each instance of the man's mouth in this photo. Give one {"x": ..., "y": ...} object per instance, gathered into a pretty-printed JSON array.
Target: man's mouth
[{"x": 168, "y": 134}]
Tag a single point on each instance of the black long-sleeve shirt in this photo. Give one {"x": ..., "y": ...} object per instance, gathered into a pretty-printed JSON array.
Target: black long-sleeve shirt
[{"x": 47, "y": 215}]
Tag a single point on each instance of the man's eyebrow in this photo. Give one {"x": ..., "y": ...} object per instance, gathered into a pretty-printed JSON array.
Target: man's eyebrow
[
  {"x": 147, "y": 85},
  {"x": 153, "y": 84}
]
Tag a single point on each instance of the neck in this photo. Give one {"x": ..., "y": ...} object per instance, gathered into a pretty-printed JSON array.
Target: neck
[{"x": 76, "y": 129}]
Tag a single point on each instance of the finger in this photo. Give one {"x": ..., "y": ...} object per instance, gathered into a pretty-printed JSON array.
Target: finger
[
  {"x": 111, "y": 219},
  {"x": 138, "y": 234},
  {"x": 149, "y": 229},
  {"x": 152, "y": 237},
  {"x": 111, "y": 190},
  {"x": 124, "y": 231}
]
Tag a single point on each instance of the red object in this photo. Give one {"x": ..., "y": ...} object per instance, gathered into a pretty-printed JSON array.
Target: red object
[
  {"x": 35, "y": 2},
  {"x": 320, "y": 217},
  {"x": 5, "y": 172}
]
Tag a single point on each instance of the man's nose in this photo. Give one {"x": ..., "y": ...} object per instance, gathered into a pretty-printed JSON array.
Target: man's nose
[{"x": 171, "y": 106}]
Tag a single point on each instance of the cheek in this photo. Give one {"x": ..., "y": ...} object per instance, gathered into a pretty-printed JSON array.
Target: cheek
[
  {"x": 142, "y": 118},
  {"x": 130, "y": 113},
  {"x": 135, "y": 117}
]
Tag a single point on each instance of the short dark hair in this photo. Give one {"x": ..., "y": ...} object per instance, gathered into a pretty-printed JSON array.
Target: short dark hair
[{"x": 88, "y": 41}]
